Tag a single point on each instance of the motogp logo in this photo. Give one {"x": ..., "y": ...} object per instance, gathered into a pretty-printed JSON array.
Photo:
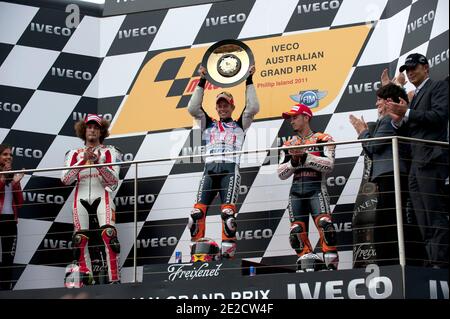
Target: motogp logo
[{"x": 309, "y": 98}]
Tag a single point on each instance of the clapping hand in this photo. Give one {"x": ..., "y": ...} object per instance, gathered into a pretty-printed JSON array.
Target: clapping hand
[
  {"x": 359, "y": 124},
  {"x": 397, "y": 110}
]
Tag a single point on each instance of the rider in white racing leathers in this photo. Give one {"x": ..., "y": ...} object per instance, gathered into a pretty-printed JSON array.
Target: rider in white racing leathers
[
  {"x": 93, "y": 193},
  {"x": 221, "y": 173}
]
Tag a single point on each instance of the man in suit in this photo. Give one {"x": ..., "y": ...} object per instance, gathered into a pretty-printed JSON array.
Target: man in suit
[
  {"x": 382, "y": 173},
  {"x": 426, "y": 118}
]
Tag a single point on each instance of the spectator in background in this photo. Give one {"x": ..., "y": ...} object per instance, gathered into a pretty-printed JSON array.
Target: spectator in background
[
  {"x": 426, "y": 117},
  {"x": 382, "y": 174},
  {"x": 11, "y": 200}
]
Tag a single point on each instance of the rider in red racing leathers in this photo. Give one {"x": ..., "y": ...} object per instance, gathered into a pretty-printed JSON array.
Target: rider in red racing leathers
[
  {"x": 221, "y": 173},
  {"x": 308, "y": 193},
  {"x": 93, "y": 192}
]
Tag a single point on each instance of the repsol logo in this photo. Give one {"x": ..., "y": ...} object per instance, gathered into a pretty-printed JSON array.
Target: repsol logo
[
  {"x": 129, "y": 200},
  {"x": 76, "y": 116},
  {"x": 10, "y": 107},
  {"x": 318, "y": 6},
  {"x": 226, "y": 19},
  {"x": 50, "y": 29},
  {"x": 336, "y": 181},
  {"x": 137, "y": 32},
  {"x": 57, "y": 244},
  {"x": 43, "y": 198},
  {"x": 364, "y": 87},
  {"x": 71, "y": 74},
  {"x": 421, "y": 21},
  {"x": 254, "y": 234},
  {"x": 156, "y": 242},
  {"x": 27, "y": 152},
  {"x": 435, "y": 60}
]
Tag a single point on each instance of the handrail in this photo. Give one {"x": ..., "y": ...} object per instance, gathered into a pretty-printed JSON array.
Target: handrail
[{"x": 268, "y": 149}]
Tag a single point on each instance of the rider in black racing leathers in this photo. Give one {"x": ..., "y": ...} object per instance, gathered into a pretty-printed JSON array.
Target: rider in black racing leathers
[
  {"x": 221, "y": 173},
  {"x": 308, "y": 193}
]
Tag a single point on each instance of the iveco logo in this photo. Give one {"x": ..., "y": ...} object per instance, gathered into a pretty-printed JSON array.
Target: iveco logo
[
  {"x": 50, "y": 29},
  {"x": 318, "y": 6},
  {"x": 363, "y": 87},
  {"x": 156, "y": 242},
  {"x": 27, "y": 152},
  {"x": 72, "y": 74},
  {"x": 10, "y": 107},
  {"x": 137, "y": 32},
  {"x": 226, "y": 19},
  {"x": 43, "y": 198},
  {"x": 76, "y": 116},
  {"x": 55, "y": 243},
  {"x": 254, "y": 234},
  {"x": 336, "y": 181},
  {"x": 416, "y": 24},
  {"x": 129, "y": 200}
]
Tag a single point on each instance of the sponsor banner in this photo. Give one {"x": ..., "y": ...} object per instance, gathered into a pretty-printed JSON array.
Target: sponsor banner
[
  {"x": 284, "y": 65},
  {"x": 156, "y": 241},
  {"x": 28, "y": 148},
  {"x": 255, "y": 231},
  {"x": 426, "y": 283},
  {"x": 438, "y": 55},
  {"x": 360, "y": 91},
  {"x": 148, "y": 191},
  {"x": 44, "y": 198},
  {"x": 12, "y": 102},
  {"x": 87, "y": 105},
  {"x": 311, "y": 14},
  {"x": 129, "y": 147},
  {"x": 137, "y": 32},
  {"x": 56, "y": 247},
  {"x": 420, "y": 24},
  {"x": 224, "y": 21},
  {"x": 193, "y": 282},
  {"x": 71, "y": 74},
  {"x": 50, "y": 29}
]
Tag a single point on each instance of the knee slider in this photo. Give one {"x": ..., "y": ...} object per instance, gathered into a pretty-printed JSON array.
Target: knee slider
[
  {"x": 294, "y": 237},
  {"x": 109, "y": 236},
  {"x": 229, "y": 221},
  {"x": 196, "y": 215},
  {"x": 329, "y": 233}
]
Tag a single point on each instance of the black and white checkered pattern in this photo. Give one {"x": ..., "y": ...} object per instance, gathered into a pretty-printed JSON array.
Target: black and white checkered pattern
[{"x": 52, "y": 76}]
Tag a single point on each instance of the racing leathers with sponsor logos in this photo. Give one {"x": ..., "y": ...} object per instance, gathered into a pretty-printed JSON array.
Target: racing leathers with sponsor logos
[
  {"x": 308, "y": 195},
  {"x": 221, "y": 173},
  {"x": 93, "y": 193}
]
